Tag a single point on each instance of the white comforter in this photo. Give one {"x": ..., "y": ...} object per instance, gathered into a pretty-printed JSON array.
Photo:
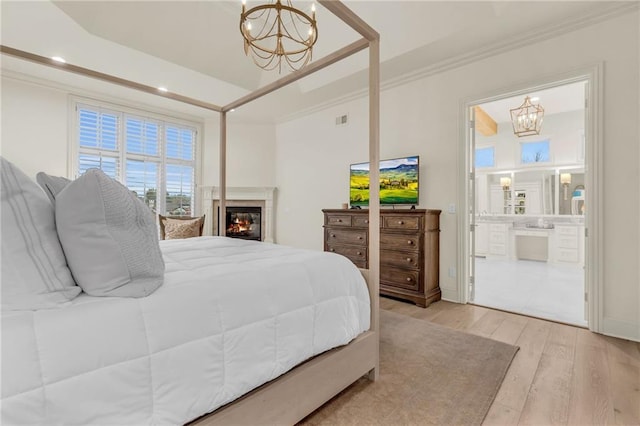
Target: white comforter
[{"x": 230, "y": 316}]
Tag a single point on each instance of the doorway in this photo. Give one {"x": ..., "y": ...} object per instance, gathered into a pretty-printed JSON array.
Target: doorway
[{"x": 528, "y": 199}]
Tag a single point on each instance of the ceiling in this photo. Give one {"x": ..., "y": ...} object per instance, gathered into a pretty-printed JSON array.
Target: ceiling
[
  {"x": 195, "y": 49},
  {"x": 556, "y": 100}
]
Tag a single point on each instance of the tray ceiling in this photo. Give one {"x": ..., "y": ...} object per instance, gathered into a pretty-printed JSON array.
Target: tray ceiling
[{"x": 195, "y": 47}]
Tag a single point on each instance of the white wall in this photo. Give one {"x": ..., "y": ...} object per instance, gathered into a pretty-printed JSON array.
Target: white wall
[
  {"x": 34, "y": 127},
  {"x": 422, "y": 117},
  {"x": 250, "y": 153}
]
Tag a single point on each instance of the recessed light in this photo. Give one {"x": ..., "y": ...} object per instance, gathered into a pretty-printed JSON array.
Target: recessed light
[
  {"x": 535, "y": 99},
  {"x": 59, "y": 59},
  {"x": 232, "y": 110},
  {"x": 163, "y": 89}
]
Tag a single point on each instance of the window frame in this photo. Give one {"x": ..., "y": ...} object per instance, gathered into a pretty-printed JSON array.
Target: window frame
[{"x": 123, "y": 111}]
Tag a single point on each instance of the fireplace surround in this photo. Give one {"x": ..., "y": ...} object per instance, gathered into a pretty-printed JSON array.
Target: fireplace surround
[{"x": 263, "y": 197}]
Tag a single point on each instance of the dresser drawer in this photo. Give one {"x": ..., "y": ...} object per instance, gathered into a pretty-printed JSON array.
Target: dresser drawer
[
  {"x": 339, "y": 219},
  {"x": 401, "y": 222},
  {"x": 360, "y": 221},
  {"x": 356, "y": 236},
  {"x": 353, "y": 253},
  {"x": 399, "y": 242},
  {"x": 409, "y": 260},
  {"x": 396, "y": 277}
]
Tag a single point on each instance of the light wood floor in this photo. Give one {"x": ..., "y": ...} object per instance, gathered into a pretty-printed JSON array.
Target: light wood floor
[{"x": 561, "y": 375}]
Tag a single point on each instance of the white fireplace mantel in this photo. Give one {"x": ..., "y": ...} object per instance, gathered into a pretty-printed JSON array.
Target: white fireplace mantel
[{"x": 262, "y": 194}]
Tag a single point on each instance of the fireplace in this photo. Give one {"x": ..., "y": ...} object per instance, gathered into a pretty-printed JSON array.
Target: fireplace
[
  {"x": 244, "y": 222},
  {"x": 263, "y": 197}
]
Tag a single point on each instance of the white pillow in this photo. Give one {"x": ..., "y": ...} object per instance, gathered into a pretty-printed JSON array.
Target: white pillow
[
  {"x": 34, "y": 271},
  {"x": 109, "y": 237}
]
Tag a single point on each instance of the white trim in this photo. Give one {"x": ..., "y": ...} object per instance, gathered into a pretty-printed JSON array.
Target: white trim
[
  {"x": 621, "y": 329},
  {"x": 594, "y": 160},
  {"x": 450, "y": 295},
  {"x": 594, "y": 273}
]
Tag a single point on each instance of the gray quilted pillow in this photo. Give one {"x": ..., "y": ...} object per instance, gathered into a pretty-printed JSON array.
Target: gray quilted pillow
[
  {"x": 109, "y": 237},
  {"x": 51, "y": 185},
  {"x": 34, "y": 271}
]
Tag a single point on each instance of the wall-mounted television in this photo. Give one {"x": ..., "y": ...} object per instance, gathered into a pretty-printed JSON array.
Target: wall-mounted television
[{"x": 398, "y": 182}]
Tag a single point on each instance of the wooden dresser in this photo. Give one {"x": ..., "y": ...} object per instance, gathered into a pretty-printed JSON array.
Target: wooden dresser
[{"x": 409, "y": 249}]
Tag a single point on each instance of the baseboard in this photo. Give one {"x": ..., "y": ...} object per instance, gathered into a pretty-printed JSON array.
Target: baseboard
[
  {"x": 450, "y": 295},
  {"x": 622, "y": 329}
]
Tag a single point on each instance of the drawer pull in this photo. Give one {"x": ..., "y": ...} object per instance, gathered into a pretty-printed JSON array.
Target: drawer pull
[
  {"x": 408, "y": 259},
  {"x": 359, "y": 237},
  {"x": 359, "y": 253},
  {"x": 333, "y": 235},
  {"x": 408, "y": 279},
  {"x": 401, "y": 222},
  {"x": 366, "y": 221},
  {"x": 332, "y": 249},
  {"x": 339, "y": 220},
  {"x": 409, "y": 242}
]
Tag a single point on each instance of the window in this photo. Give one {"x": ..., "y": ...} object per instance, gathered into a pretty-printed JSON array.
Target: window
[
  {"x": 535, "y": 152},
  {"x": 154, "y": 158},
  {"x": 485, "y": 157}
]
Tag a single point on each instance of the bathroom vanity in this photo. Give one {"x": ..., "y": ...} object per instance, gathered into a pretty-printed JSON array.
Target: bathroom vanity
[{"x": 553, "y": 239}]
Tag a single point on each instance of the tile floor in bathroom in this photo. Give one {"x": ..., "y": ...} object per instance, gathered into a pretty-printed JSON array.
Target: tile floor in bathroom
[{"x": 540, "y": 289}]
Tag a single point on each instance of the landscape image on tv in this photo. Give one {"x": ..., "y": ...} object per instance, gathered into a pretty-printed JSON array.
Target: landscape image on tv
[{"x": 398, "y": 182}]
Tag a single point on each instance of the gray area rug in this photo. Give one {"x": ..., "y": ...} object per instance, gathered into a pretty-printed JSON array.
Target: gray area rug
[{"x": 429, "y": 374}]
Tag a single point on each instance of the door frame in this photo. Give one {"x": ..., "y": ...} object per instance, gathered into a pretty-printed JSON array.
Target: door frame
[{"x": 594, "y": 271}]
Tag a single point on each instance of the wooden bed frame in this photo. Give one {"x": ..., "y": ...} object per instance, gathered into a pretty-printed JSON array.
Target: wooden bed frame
[{"x": 297, "y": 393}]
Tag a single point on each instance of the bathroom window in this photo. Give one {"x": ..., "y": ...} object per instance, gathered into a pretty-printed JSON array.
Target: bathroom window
[
  {"x": 535, "y": 152},
  {"x": 485, "y": 157}
]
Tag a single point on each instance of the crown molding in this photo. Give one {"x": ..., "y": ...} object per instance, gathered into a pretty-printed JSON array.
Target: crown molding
[
  {"x": 98, "y": 96},
  {"x": 527, "y": 38}
]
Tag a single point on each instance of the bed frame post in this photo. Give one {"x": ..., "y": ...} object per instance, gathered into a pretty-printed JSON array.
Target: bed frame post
[
  {"x": 374, "y": 195},
  {"x": 222, "y": 229}
]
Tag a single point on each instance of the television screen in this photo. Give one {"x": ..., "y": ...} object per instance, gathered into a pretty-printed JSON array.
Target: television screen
[{"x": 398, "y": 182}]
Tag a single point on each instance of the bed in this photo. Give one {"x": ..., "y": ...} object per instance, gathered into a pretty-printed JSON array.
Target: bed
[
  {"x": 168, "y": 327},
  {"x": 230, "y": 316}
]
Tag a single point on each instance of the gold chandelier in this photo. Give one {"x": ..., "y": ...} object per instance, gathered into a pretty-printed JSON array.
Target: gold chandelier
[
  {"x": 275, "y": 33},
  {"x": 527, "y": 118}
]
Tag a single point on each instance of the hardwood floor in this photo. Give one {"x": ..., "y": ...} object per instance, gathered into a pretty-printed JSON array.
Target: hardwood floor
[{"x": 561, "y": 374}]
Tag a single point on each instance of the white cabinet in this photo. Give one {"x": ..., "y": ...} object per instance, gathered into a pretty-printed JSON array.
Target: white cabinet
[
  {"x": 568, "y": 244},
  {"x": 498, "y": 241}
]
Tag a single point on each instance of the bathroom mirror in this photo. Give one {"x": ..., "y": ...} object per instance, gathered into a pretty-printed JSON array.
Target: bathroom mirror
[{"x": 553, "y": 191}]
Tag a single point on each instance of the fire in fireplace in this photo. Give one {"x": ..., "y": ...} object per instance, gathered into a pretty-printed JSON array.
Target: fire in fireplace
[{"x": 244, "y": 222}]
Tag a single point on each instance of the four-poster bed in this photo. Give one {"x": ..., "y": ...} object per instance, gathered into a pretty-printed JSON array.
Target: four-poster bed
[{"x": 295, "y": 394}]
